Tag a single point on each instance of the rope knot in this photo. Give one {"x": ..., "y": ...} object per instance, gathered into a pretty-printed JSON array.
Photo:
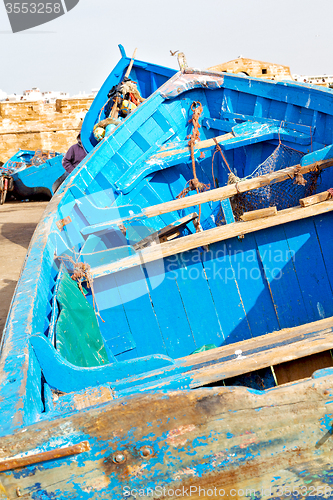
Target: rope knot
[
  {"x": 298, "y": 176},
  {"x": 81, "y": 274},
  {"x": 194, "y": 184}
]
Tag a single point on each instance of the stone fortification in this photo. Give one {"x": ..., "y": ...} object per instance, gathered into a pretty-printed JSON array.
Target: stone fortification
[
  {"x": 38, "y": 125},
  {"x": 251, "y": 67}
]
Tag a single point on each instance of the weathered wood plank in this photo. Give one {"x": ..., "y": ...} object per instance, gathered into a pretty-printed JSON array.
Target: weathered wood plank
[
  {"x": 278, "y": 263},
  {"x": 310, "y": 270},
  {"x": 259, "y": 214},
  {"x": 316, "y": 198},
  {"x": 268, "y": 341},
  {"x": 214, "y": 194},
  {"x": 211, "y": 236},
  {"x": 197, "y": 300},
  {"x": 246, "y": 362},
  {"x": 166, "y": 233},
  {"x": 231, "y": 190},
  {"x": 108, "y": 295},
  {"x": 170, "y": 324},
  {"x": 219, "y": 269},
  {"x": 253, "y": 286},
  {"x": 240, "y": 358},
  {"x": 324, "y": 230},
  {"x": 136, "y": 298},
  {"x": 254, "y": 354},
  {"x": 285, "y": 424}
]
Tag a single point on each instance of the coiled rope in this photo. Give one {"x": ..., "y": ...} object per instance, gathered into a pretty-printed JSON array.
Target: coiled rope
[{"x": 194, "y": 184}]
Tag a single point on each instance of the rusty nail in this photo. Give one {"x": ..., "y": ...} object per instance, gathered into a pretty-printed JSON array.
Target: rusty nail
[
  {"x": 146, "y": 451},
  {"x": 119, "y": 458},
  {"x": 63, "y": 222}
]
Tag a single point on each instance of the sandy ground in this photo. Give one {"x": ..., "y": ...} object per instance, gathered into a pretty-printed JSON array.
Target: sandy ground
[{"x": 17, "y": 224}]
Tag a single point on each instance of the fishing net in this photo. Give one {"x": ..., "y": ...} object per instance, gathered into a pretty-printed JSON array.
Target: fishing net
[
  {"x": 78, "y": 337},
  {"x": 12, "y": 166},
  {"x": 39, "y": 158},
  {"x": 282, "y": 195},
  {"x": 125, "y": 90}
]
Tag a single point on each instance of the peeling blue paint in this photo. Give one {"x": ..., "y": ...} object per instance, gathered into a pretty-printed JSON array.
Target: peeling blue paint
[{"x": 150, "y": 416}]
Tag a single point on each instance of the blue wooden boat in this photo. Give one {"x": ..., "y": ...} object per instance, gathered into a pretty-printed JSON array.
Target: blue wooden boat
[
  {"x": 148, "y": 77},
  {"x": 197, "y": 360},
  {"x": 34, "y": 173}
]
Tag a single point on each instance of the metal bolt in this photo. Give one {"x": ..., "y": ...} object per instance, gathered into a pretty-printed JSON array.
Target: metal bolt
[
  {"x": 146, "y": 451},
  {"x": 119, "y": 458}
]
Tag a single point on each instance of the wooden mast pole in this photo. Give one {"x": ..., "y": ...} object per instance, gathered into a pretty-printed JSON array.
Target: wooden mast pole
[{"x": 114, "y": 111}]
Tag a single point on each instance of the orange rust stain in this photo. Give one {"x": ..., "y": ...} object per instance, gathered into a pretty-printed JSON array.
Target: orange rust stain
[{"x": 17, "y": 463}]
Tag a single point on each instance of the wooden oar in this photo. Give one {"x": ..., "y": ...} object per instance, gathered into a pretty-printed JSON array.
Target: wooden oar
[
  {"x": 130, "y": 66},
  {"x": 114, "y": 111}
]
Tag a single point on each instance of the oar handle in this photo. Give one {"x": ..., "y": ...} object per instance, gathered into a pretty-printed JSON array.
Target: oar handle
[{"x": 130, "y": 66}]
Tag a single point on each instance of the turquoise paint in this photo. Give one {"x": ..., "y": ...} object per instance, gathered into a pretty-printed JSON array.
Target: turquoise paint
[
  {"x": 173, "y": 315},
  {"x": 35, "y": 180}
]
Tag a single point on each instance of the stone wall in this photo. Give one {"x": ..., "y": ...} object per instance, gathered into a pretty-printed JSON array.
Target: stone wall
[
  {"x": 251, "y": 67},
  {"x": 36, "y": 125}
]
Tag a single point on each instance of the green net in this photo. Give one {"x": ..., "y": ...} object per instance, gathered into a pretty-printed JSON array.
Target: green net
[
  {"x": 78, "y": 338},
  {"x": 206, "y": 347}
]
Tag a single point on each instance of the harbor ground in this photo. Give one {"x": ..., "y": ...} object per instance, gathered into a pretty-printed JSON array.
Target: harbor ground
[{"x": 18, "y": 221}]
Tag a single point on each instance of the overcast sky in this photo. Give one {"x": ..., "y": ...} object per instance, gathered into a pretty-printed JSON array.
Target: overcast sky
[{"x": 78, "y": 50}]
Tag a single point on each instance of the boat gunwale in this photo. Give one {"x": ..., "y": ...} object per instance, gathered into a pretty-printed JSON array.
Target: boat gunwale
[{"x": 40, "y": 240}]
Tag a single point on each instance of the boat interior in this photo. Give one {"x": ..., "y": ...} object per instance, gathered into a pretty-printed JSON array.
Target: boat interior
[
  {"x": 197, "y": 295},
  {"x": 148, "y": 78}
]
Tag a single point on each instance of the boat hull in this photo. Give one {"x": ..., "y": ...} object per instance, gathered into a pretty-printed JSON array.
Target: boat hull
[
  {"x": 228, "y": 440},
  {"x": 161, "y": 425},
  {"x": 34, "y": 180}
]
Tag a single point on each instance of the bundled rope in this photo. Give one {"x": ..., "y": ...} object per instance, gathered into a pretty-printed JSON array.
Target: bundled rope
[
  {"x": 130, "y": 87},
  {"x": 298, "y": 176},
  {"x": 233, "y": 179},
  {"x": 106, "y": 122},
  {"x": 125, "y": 90},
  {"x": 194, "y": 184},
  {"x": 81, "y": 274}
]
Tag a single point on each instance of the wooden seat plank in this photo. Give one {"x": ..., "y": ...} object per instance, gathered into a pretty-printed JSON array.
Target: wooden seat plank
[
  {"x": 211, "y": 236},
  {"x": 243, "y": 357},
  {"x": 223, "y": 363}
]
